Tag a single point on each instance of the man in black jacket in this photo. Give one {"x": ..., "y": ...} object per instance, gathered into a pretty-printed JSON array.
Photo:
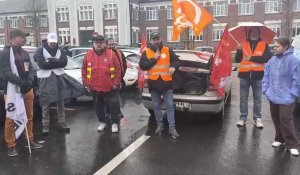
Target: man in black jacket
[
  {"x": 51, "y": 61},
  {"x": 252, "y": 56},
  {"x": 24, "y": 81},
  {"x": 160, "y": 63}
]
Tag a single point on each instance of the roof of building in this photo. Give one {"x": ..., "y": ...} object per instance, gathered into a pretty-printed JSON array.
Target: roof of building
[{"x": 19, "y": 6}]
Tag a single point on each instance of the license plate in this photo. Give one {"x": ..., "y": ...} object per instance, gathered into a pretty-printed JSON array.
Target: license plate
[{"x": 182, "y": 105}]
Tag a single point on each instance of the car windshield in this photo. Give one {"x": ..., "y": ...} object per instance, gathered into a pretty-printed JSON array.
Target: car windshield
[
  {"x": 133, "y": 58},
  {"x": 72, "y": 64},
  {"x": 79, "y": 58}
]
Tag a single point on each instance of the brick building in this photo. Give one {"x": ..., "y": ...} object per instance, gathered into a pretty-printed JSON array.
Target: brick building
[
  {"x": 126, "y": 20},
  {"x": 16, "y": 14}
]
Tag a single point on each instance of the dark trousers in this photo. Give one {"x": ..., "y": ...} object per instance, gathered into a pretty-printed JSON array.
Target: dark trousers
[
  {"x": 282, "y": 117},
  {"x": 109, "y": 100}
]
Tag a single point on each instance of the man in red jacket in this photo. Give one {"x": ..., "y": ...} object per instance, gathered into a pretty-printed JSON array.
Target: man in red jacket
[{"x": 101, "y": 73}]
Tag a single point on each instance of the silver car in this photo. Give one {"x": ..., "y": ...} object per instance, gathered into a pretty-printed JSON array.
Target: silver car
[{"x": 191, "y": 85}]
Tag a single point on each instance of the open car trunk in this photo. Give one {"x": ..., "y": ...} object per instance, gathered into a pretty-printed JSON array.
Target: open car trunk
[{"x": 193, "y": 77}]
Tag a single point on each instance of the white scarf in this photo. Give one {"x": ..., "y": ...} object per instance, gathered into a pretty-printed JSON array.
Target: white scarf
[{"x": 14, "y": 104}]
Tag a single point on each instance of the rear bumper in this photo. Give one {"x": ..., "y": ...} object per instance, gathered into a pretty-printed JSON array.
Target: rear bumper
[{"x": 190, "y": 103}]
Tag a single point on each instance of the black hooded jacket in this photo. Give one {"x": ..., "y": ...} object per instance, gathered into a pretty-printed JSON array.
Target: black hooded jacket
[
  {"x": 25, "y": 78},
  {"x": 53, "y": 63},
  {"x": 146, "y": 64},
  {"x": 255, "y": 75}
]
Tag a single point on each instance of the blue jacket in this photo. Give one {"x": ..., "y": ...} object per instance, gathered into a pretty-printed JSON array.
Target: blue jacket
[{"x": 281, "y": 82}]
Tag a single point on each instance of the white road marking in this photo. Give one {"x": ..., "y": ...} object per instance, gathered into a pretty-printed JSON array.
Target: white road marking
[
  {"x": 110, "y": 166},
  {"x": 66, "y": 109}
]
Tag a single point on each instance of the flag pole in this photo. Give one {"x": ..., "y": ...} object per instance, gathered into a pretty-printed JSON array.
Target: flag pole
[
  {"x": 28, "y": 139},
  {"x": 230, "y": 35},
  {"x": 228, "y": 32}
]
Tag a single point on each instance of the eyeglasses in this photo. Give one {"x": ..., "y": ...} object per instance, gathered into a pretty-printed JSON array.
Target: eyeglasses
[{"x": 99, "y": 42}]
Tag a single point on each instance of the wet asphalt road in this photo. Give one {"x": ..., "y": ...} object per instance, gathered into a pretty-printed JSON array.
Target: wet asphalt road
[{"x": 207, "y": 145}]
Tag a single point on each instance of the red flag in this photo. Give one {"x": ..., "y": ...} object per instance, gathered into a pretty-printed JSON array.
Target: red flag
[
  {"x": 143, "y": 43},
  {"x": 141, "y": 73},
  {"x": 222, "y": 64}
]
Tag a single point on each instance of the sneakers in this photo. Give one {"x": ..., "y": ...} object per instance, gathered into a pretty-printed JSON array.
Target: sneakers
[
  {"x": 241, "y": 123},
  {"x": 12, "y": 152},
  {"x": 62, "y": 127},
  {"x": 294, "y": 152},
  {"x": 159, "y": 130},
  {"x": 173, "y": 133},
  {"x": 258, "y": 123},
  {"x": 34, "y": 145},
  {"x": 101, "y": 127},
  {"x": 114, "y": 128},
  {"x": 277, "y": 144}
]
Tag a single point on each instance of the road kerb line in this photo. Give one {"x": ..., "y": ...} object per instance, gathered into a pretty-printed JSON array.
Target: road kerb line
[{"x": 110, "y": 166}]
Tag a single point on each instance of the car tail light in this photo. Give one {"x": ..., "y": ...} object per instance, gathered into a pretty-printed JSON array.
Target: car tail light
[{"x": 129, "y": 64}]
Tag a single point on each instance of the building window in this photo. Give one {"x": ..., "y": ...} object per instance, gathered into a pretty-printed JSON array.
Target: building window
[
  {"x": 151, "y": 13},
  {"x": 28, "y": 21},
  {"x": 276, "y": 27},
  {"x": 220, "y": 8},
  {"x": 13, "y": 22},
  {"x": 43, "y": 36},
  {"x": 63, "y": 14},
  {"x": 64, "y": 35},
  {"x": 111, "y": 32},
  {"x": 296, "y": 5},
  {"x": 192, "y": 36},
  {"x": 296, "y": 28},
  {"x": 43, "y": 21},
  {"x": 170, "y": 34},
  {"x": 169, "y": 12},
  {"x": 246, "y": 7},
  {"x": 30, "y": 40},
  {"x": 135, "y": 13},
  {"x": 150, "y": 30},
  {"x": 2, "y": 20},
  {"x": 2, "y": 39},
  {"x": 217, "y": 33},
  {"x": 86, "y": 13},
  {"x": 110, "y": 11},
  {"x": 272, "y": 6}
]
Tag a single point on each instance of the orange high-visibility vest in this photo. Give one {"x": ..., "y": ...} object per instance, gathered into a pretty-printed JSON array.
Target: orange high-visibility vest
[
  {"x": 246, "y": 66},
  {"x": 162, "y": 66}
]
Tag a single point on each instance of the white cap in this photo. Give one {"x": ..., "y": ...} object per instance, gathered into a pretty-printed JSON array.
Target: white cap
[{"x": 52, "y": 38}]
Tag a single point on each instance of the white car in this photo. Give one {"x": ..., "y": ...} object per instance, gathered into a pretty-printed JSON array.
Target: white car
[
  {"x": 193, "y": 91},
  {"x": 131, "y": 74}
]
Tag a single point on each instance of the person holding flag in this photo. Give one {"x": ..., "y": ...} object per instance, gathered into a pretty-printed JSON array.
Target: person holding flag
[{"x": 19, "y": 74}]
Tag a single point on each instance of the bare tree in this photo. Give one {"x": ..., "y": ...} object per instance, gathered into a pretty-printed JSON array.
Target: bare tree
[
  {"x": 288, "y": 15},
  {"x": 34, "y": 9}
]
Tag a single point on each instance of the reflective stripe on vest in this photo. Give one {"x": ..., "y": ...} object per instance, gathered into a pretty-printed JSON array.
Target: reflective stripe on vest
[
  {"x": 246, "y": 66},
  {"x": 90, "y": 56},
  {"x": 162, "y": 67}
]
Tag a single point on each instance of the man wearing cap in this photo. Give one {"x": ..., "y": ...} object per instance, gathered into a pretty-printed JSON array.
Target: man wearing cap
[
  {"x": 19, "y": 73},
  {"x": 160, "y": 62},
  {"x": 101, "y": 74},
  {"x": 51, "y": 61}
]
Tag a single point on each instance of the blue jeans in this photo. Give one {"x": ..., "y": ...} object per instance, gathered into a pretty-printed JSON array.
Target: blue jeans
[
  {"x": 157, "y": 102},
  {"x": 256, "y": 86}
]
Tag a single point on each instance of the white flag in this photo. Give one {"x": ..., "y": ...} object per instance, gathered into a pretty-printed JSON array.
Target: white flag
[{"x": 14, "y": 103}]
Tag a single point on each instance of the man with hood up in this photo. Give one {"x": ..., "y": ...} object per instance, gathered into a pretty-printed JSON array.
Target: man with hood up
[{"x": 252, "y": 56}]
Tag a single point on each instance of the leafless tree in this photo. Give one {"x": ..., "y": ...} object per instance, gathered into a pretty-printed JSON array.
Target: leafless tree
[
  {"x": 288, "y": 15},
  {"x": 34, "y": 9}
]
